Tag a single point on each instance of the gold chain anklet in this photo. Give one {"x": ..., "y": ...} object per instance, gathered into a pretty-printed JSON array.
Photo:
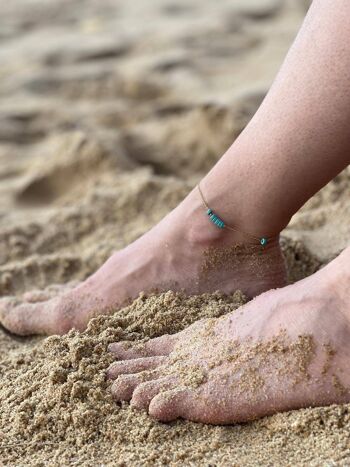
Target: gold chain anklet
[{"x": 216, "y": 220}]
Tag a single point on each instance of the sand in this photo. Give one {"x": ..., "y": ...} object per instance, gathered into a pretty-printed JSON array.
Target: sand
[
  {"x": 56, "y": 408},
  {"x": 110, "y": 113}
]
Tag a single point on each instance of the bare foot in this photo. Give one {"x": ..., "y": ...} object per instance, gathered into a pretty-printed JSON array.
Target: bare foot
[
  {"x": 183, "y": 252},
  {"x": 286, "y": 349}
]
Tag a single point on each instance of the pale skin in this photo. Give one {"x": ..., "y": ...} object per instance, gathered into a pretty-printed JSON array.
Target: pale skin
[
  {"x": 233, "y": 385},
  {"x": 297, "y": 141}
]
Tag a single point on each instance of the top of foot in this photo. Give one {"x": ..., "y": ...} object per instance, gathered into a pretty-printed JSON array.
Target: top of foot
[
  {"x": 183, "y": 252},
  {"x": 286, "y": 349}
]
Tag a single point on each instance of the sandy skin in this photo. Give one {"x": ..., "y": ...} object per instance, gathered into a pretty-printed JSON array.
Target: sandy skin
[
  {"x": 184, "y": 252},
  {"x": 287, "y": 349}
]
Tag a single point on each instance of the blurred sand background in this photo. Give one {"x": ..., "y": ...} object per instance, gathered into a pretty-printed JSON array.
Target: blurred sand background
[{"x": 110, "y": 111}]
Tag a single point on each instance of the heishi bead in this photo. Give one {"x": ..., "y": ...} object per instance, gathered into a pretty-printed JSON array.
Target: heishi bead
[
  {"x": 215, "y": 219},
  {"x": 220, "y": 223}
]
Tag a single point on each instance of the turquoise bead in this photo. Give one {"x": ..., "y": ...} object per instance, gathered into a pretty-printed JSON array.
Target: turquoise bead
[
  {"x": 215, "y": 219},
  {"x": 263, "y": 241}
]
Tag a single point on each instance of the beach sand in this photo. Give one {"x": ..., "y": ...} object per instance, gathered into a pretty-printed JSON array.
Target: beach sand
[{"x": 110, "y": 112}]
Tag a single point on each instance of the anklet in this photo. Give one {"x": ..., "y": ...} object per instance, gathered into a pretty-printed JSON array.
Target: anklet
[{"x": 216, "y": 220}]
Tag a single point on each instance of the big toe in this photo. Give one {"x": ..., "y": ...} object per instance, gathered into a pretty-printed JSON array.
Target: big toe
[{"x": 31, "y": 318}]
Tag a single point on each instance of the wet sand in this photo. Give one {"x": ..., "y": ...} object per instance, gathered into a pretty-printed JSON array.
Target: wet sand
[{"x": 110, "y": 112}]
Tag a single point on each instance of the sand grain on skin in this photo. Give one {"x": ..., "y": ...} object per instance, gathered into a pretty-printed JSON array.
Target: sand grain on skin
[{"x": 56, "y": 404}]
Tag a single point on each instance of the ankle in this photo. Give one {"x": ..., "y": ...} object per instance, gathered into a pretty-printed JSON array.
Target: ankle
[
  {"x": 201, "y": 234},
  {"x": 243, "y": 210},
  {"x": 200, "y": 231}
]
